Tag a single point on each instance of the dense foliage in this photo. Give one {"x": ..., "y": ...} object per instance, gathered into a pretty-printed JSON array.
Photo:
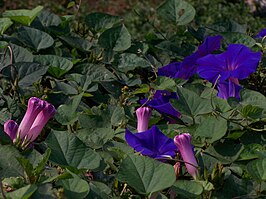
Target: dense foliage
[{"x": 195, "y": 82}]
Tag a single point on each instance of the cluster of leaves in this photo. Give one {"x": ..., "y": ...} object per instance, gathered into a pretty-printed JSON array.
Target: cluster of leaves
[{"x": 95, "y": 74}]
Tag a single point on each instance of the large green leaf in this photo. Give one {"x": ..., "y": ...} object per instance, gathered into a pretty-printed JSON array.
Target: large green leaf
[
  {"x": 146, "y": 175},
  {"x": 96, "y": 138},
  {"x": 212, "y": 128},
  {"x": 5, "y": 23},
  {"x": 20, "y": 54},
  {"x": 190, "y": 104},
  {"x": 29, "y": 73},
  {"x": 129, "y": 61},
  {"x": 253, "y": 97},
  {"x": 66, "y": 113},
  {"x": 116, "y": 38},
  {"x": 99, "y": 22},
  {"x": 58, "y": 66},
  {"x": 226, "y": 152},
  {"x": 238, "y": 38},
  {"x": 69, "y": 151},
  {"x": 257, "y": 169},
  {"x": 35, "y": 38},
  {"x": 25, "y": 17},
  {"x": 187, "y": 189},
  {"x": 98, "y": 190},
  {"x": 74, "y": 187},
  {"x": 77, "y": 42},
  {"x": 9, "y": 165},
  {"x": 177, "y": 11},
  {"x": 23, "y": 193},
  {"x": 49, "y": 19}
]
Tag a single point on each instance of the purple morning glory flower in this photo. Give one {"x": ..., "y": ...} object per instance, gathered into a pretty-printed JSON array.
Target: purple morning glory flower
[
  {"x": 229, "y": 89},
  {"x": 152, "y": 143},
  {"x": 143, "y": 116},
  {"x": 237, "y": 62},
  {"x": 161, "y": 103},
  {"x": 183, "y": 143},
  {"x": 37, "y": 115},
  {"x": 262, "y": 33},
  {"x": 188, "y": 67}
]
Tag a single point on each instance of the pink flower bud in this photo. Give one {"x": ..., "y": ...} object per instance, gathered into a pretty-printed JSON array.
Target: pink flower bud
[
  {"x": 40, "y": 121},
  {"x": 143, "y": 116},
  {"x": 183, "y": 143},
  {"x": 11, "y": 128},
  {"x": 35, "y": 105}
]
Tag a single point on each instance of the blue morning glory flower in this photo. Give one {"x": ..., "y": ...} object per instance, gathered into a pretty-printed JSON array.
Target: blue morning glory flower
[
  {"x": 228, "y": 89},
  {"x": 188, "y": 67},
  {"x": 152, "y": 143},
  {"x": 237, "y": 62},
  {"x": 161, "y": 103},
  {"x": 262, "y": 33}
]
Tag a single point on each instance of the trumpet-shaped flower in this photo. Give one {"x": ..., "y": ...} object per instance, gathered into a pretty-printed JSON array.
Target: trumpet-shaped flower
[
  {"x": 152, "y": 143},
  {"x": 229, "y": 89},
  {"x": 37, "y": 115},
  {"x": 237, "y": 62},
  {"x": 183, "y": 143},
  {"x": 161, "y": 103},
  {"x": 188, "y": 67},
  {"x": 143, "y": 116}
]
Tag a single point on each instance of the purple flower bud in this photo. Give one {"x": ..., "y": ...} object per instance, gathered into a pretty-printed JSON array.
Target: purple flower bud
[
  {"x": 143, "y": 115},
  {"x": 183, "y": 143},
  {"x": 35, "y": 105},
  {"x": 11, "y": 128},
  {"x": 40, "y": 121}
]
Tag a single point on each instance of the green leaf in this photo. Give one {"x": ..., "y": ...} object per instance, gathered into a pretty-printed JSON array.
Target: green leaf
[
  {"x": 97, "y": 73},
  {"x": 146, "y": 175},
  {"x": 129, "y": 61},
  {"x": 98, "y": 22},
  {"x": 20, "y": 54},
  {"x": 95, "y": 138},
  {"x": 257, "y": 169},
  {"x": 77, "y": 42},
  {"x": 9, "y": 165},
  {"x": 251, "y": 151},
  {"x": 118, "y": 116},
  {"x": 69, "y": 151},
  {"x": 187, "y": 188},
  {"x": 48, "y": 19},
  {"x": 116, "y": 38},
  {"x": 254, "y": 98},
  {"x": 250, "y": 111},
  {"x": 238, "y": 38},
  {"x": 41, "y": 165},
  {"x": 25, "y": 17},
  {"x": 71, "y": 4},
  {"x": 74, "y": 187},
  {"x": 99, "y": 190},
  {"x": 58, "y": 66},
  {"x": 5, "y": 23},
  {"x": 29, "y": 73},
  {"x": 66, "y": 113},
  {"x": 212, "y": 128},
  {"x": 177, "y": 11},
  {"x": 28, "y": 167},
  {"x": 164, "y": 83},
  {"x": 35, "y": 38},
  {"x": 226, "y": 152},
  {"x": 23, "y": 193},
  {"x": 190, "y": 104}
]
